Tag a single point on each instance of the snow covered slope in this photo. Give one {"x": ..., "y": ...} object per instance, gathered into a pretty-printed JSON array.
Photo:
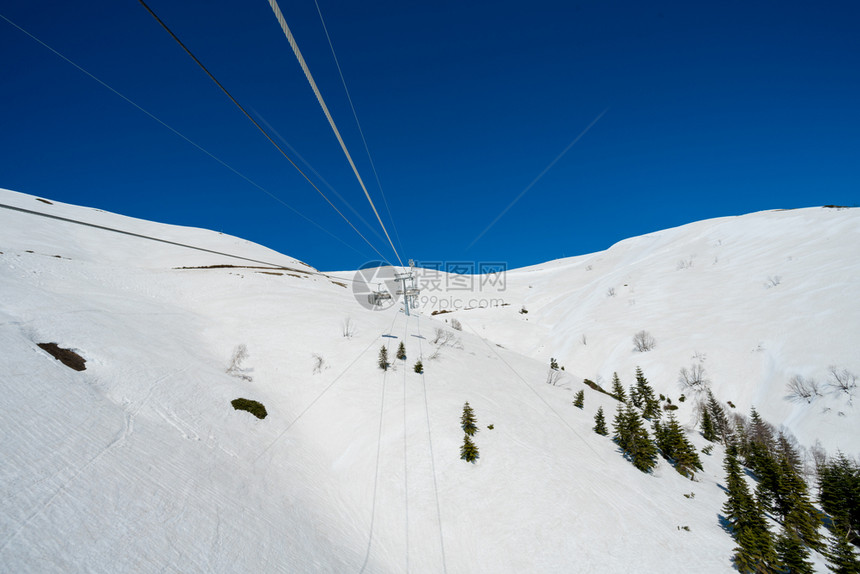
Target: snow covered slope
[
  {"x": 140, "y": 463},
  {"x": 755, "y": 300}
]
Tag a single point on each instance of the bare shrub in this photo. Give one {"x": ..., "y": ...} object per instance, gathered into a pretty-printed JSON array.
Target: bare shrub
[
  {"x": 455, "y": 324},
  {"x": 773, "y": 281},
  {"x": 684, "y": 264},
  {"x": 694, "y": 379},
  {"x": 240, "y": 353},
  {"x": 802, "y": 389},
  {"x": 583, "y": 339},
  {"x": 842, "y": 380},
  {"x": 347, "y": 328},
  {"x": 442, "y": 336},
  {"x": 643, "y": 341},
  {"x": 319, "y": 363},
  {"x": 610, "y": 292}
]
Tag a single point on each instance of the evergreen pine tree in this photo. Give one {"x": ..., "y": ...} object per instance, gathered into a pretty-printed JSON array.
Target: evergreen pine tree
[
  {"x": 643, "y": 397},
  {"x": 401, "y": 351},
  {"x": 791, "y": 497},
  {"x": 708, "y": 430},
  {"x": 620, "y": 426},
  {"x": 618, "y": 389},
  {"x": 579, "y": 399},
  {"x": 600, "y": 423},
  {"x": 792, "y": 554},
  {"x": 383, "y": 358},
  {"x": 468, "y": 420},
  {"x": 419, "y": 367},
  {"x": 633, "y": 439},
  {"x": 840, "y": 555},
  {"x": 839, "y": 486},
  {"x": 719, "y": 419},
  {"x": 468, "y": 452},
  {"x": 673, "y": 443},
  {"x": 745, "y": 516}
]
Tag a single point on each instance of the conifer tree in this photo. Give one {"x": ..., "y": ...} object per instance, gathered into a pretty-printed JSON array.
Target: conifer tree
[
  {"x": 840, "y": 555},
  {"x": 643, "y": 396},
  {"x": 792, "y": 554},
  {"x": 579, "y": 399},
  {"x": 633, "y": 439},
  {"x": 419, "y": 367},
  {"x": 468, "y": 452},
  {"x": 839, "y": 485},
  {"x": 719, "y": 419},
  {"x": 618, "y": 389},
  {"x": 468, "y": 420},
  {"x": 673, "y": 443},
  {"x": 383, "y": 358},
  {"x": 600, "y": 423},
  {"x": 791, "y": 497},
  {"x": 755, "y": 552},
  {"x": 401, "y": 351},
  {"x": 708, "y": 430}
]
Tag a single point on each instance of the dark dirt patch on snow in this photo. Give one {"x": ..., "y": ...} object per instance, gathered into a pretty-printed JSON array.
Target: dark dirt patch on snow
[
  {"x": 66, "y": 356},
  {"x": 253, "y": 407}
]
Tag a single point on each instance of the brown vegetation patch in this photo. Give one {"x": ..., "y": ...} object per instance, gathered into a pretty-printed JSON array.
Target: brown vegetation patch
[
  {"x": 66, "y": 356},
  {"x": 44, "y": 201},
  {"x": 440, "y": 312},
  {"x": 339, "y": 283},
  {"x": 225, "y": 266},
  {"x": 255, "y": 408},
  {"x": 270, "y": 273}
]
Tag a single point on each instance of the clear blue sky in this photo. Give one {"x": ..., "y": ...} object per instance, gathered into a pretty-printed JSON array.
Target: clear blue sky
[{"x": 714, "y": 109}]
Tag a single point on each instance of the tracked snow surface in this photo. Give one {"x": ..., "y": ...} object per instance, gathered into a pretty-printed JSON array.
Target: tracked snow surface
[{"x": 140, "y": 463}]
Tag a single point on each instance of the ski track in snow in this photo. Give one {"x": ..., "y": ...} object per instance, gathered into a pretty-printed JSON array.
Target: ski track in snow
[{"x": 119, "y": 440}]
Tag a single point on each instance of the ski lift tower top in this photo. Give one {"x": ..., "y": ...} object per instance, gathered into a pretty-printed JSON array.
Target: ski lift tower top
[{"x": 409, "y": 290}]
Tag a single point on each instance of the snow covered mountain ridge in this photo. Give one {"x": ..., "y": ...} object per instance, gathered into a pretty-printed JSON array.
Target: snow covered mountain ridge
[{"x": 140, "y": 463}]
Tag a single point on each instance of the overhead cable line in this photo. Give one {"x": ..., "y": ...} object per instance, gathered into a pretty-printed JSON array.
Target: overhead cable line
[
  {"x": 316, "y": 174},
  {"x": 280, "y": 17},
  {"x": 259, "y": 127},
  {"x": 358, "y": 124},
  {"x": 430, "y": 443},
  {"x": 178, "y": 133}
]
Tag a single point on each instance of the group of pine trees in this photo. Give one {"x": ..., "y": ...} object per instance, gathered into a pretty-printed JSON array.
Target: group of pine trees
[
  {"x": 631, "y": 435},
  {"x": 383, "y": 363},
  {"x": 781, "y": 492},
  {"x": 468, "y": 422}
]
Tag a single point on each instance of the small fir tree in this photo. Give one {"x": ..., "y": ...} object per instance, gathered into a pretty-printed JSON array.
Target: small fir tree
[
  {"x": 755, "y": 552},
  {"x": 839, "y": 487},
  {"x": 719, "y": 419},
  {"x": 600, "y": 423},
  {"x": 468, "y": 452},
  {"x": 383, "y": 358},
  {"x": 792, "y": 554},
  {"x": 419, "y": 367},
  {"x": 676, "y": 448},
  {"x": 618, "y": 389},
  {"x": 708, "y": 430},
  {"x": 643, "y": 396},
  {"x": 468, "y": 422},
  {"x": 840, "y": 555},
  {"x": 579, "y": 399},
  {"x": 401, "y": 351},
  {"x": 633, "y": 439},
  {"x": 791, "y": 499}
]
